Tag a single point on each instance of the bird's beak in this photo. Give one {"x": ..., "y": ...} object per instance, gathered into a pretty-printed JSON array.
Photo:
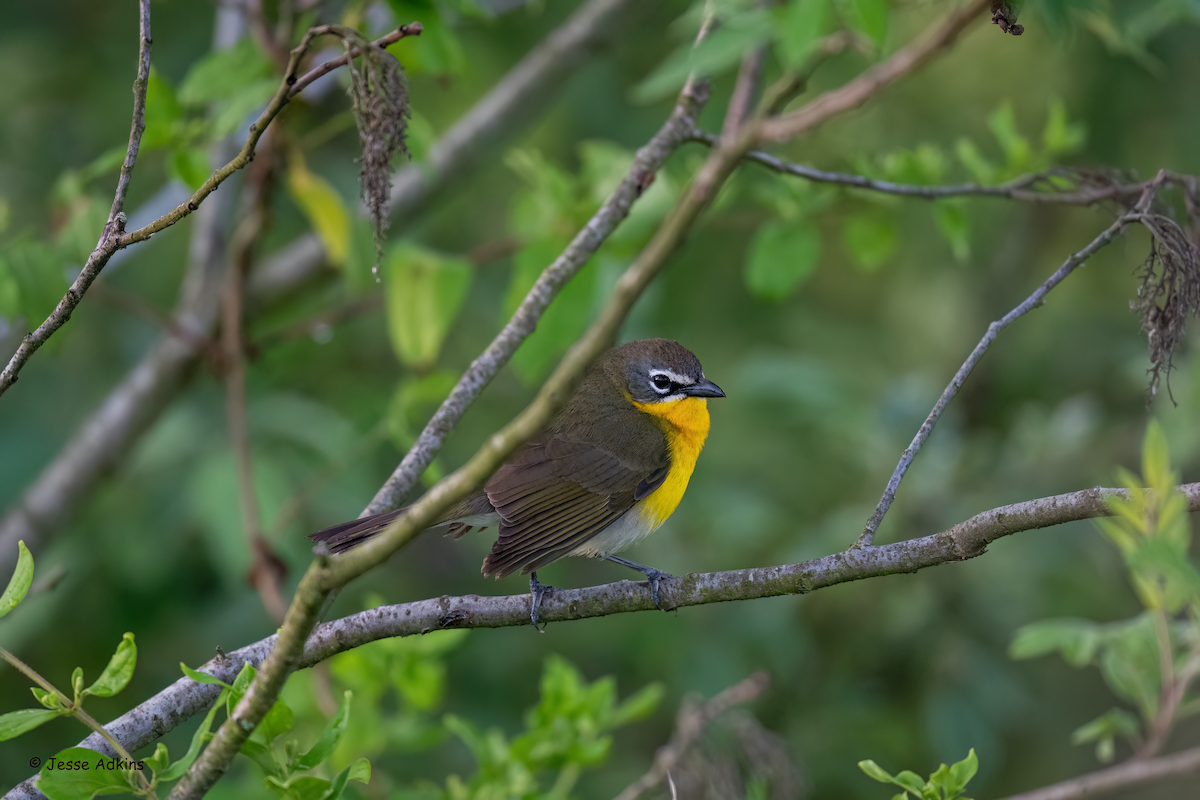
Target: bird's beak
[{"x": 705, "y": 388}]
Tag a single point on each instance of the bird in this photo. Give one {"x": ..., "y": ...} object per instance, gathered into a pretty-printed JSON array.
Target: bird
[{"x": 608, "y": 471}]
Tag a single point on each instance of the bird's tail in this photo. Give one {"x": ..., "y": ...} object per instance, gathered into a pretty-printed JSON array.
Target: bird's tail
[{"x": 345, "y": 535}]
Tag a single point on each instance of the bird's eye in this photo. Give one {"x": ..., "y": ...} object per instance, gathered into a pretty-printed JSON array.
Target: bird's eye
[{"x": 661, "y": 383}]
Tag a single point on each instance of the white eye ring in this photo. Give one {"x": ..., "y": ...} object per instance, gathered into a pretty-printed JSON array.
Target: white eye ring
[{"x": 661, "y": 383}]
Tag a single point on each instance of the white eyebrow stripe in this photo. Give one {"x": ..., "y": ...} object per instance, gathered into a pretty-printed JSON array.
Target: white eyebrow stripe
[{"x": 673, "y": 376}]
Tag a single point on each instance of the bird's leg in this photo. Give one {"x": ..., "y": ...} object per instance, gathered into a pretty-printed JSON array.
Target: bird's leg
[
  {"x": 652, "y": 575},
  {"x": 538, "y": 590}
]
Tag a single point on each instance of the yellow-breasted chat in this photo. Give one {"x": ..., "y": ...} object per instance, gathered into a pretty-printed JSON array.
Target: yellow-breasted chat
[{"x": 606, "y": 473}]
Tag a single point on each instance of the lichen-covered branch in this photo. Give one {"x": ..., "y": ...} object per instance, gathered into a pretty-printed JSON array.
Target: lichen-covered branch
[{"x": 968, "y": 539}]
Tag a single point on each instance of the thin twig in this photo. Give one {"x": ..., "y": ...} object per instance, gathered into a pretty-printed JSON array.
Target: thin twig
[
  {"x": 858, "y": 91},
  {"x": 1131, "y": 773},
  {"x": 1033, "y": 301},
  {"x": 266, "y": 568},
  {"x": 743, "y": 93},
  {"x": 114, "y": 237},
  {"x": 113, "y": 229},
  {"x": 183, "y": 699},
  {"x": 690, "y": 723},
  {"x": 1016, "y": 189},
  {"x": 75, "y": 710},
  {"x": 411, "y": 29}
]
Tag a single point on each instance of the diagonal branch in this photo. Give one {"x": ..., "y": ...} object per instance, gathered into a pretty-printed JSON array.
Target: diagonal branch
[
  {"x": 183, "y": 699},
  {"x": 114, "y": 236},
  {"x": 858, "y": 91},
  {"x": 1033, "y": 301}
]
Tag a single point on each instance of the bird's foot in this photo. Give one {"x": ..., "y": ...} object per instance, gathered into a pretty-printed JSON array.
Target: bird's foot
[
  {"x": 537, "y": 590},
  {"x": 653, "y": 576}
]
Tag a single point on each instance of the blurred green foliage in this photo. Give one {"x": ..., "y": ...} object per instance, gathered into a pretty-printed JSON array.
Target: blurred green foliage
[{"x": 832, "y": 317}]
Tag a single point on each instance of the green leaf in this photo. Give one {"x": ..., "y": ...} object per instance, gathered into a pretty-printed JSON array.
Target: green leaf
[
  {"x": 164, "y": 114},
  {"x": 801, "y": 24},
  {"x": 871, "y": 239},
  {"x": 720, "y": 50},
  {"x": 1017, "y": 151},
  {"x": 638, "y": 706},
  {"x": 951, "y": 219},
  {"x": 264, "y": 756},
  {"x": 32, "y": 280},
  {"x": 1156, "y": 459},
  {"x": 984, "y": 172},
  {"x": 241, "y": 683},
  {"x": 359, "y": 771},
  {"x": 323, "y": 208},
  {"x": 14, "y": 723},
  {"x": 330, "y": 735},
  {"x": 19, "y": 583},
  {"x": 911, "y": 781},
  {"x": 1130, "y": 663},
  {"x": 159, "y": 761},
  {"x": 119, "y": 670},
  {"x": 962, "y": 772},
  {"x": 277, "y": 721},
  {"x": 79, "y": 774},
  {"x": 176, "y": 770},
  {"x": 781, "y": 256},
  {"x": 190, "y": 166},
  {"x": 869, "y": 17},
  {"x": 875, "y": 771},
  {"x": 46, "y": 698},
  {"x": 304, "y": 787},
  {"x": 201, "y": 677},
  {"x": 223, "y": 73},
  {"x": 77, "y": 682},
  {"x": 424, "y": 292},
  {"x": 1104, "y": 729},
  {"x": 1060, "y": 136},
  {"x": 1076, "y": 639}
]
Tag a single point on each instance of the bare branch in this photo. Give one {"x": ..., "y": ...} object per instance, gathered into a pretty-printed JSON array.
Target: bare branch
[
  {"x": 858, "y": 91},
  {"x": 113, "y": 228},
  {"x": 690, "y": 724},
  {"x": 968, "y": 539},
  {"x": 411, "y": 29},
  {"x": 1033, "y": 301},
  {"x": 1132, "y": 772},
  {"x": 114, "y": 237},
  {"x": 1016, "y": 189},
  {"x": 743, "y": 93}
]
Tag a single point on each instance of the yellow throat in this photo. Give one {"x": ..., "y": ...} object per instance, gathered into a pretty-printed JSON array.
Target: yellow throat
[{"x": 685, "y": 423}]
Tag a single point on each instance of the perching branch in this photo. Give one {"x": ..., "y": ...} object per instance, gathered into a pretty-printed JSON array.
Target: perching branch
[
  {"x": 1033, "y": 301},
  {"x": 690, "y": 724},
  {"x": 131, "y": 408},
  {"x": 114, "y": 236},
  {"x": 113, "y": 229},
  {"x": 968, "y": 539},
  {"x": 1131, "y": 773}
]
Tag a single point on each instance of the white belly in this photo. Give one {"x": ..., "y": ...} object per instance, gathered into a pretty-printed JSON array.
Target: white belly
[{"x": 626, "y": 531}]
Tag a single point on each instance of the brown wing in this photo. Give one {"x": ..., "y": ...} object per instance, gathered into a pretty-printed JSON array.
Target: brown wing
[
  {"x": 345, "y": 535},
  {"x": 558, "y": 493}
]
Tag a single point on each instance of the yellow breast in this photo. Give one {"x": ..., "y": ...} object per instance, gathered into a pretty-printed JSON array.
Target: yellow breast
[{"x": 685, "y": 423}]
